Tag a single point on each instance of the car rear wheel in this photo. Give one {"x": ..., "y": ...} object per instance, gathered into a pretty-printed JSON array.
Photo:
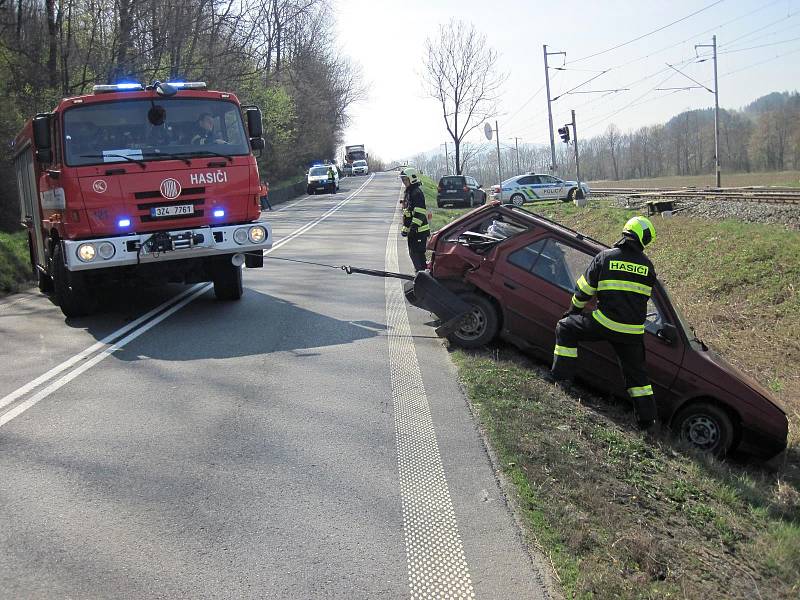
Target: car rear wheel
[
  {"x": 517, "y": 199},
  {"x": 479, "y": 326},
  {"x": 706, "y": 427}
]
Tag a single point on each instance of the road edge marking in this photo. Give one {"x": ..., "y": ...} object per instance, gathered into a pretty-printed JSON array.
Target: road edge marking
[{"x": 437, "y": 565}]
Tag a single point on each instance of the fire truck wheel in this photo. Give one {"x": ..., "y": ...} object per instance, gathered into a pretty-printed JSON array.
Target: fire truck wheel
[
  {"x": 44, "y": 281},
  {"x": 71, "y": 292},
  {"x": 227, "y": 281}
]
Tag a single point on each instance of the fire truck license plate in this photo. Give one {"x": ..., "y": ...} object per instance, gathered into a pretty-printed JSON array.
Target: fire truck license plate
[{"x": 172, "y": 211}]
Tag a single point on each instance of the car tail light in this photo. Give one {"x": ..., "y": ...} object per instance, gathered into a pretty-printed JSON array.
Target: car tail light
[
  {"x": 440, "y": 188},
  {"x": 466, "y": 188}
]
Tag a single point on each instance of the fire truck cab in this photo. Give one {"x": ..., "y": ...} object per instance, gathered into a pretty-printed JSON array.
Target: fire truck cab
[{"x": 155, "y": 183}]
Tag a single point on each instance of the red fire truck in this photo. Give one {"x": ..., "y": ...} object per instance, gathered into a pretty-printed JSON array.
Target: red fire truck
[{"x": 155, "y": 183}]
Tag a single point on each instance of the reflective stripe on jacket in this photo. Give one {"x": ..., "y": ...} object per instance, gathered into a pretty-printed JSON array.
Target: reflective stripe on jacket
[
  {"x": 622, "y": 278},
  {"x": 415, "y": 214}
]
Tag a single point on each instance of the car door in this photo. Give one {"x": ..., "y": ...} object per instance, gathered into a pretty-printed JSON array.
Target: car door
[
  {"x": 552, "y": 187},
  {"x": 527, "y": 185},
  {"x": 537, "y": 277}
]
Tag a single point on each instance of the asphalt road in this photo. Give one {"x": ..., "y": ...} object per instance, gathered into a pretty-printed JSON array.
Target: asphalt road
[{"x": 308, "y": 441}]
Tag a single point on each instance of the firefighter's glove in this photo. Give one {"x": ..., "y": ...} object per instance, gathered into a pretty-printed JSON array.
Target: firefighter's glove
[{"x": 572, "y": 311}]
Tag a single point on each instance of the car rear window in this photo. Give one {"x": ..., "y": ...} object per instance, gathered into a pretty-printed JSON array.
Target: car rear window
[
  {"x": 452, "y": 182},
  {"x": 494, "y": 225}
]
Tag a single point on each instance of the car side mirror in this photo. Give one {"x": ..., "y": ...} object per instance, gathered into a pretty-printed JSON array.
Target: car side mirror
[
  {"x": 257, "y": 143},
  {"x": 668, "y": 333}
]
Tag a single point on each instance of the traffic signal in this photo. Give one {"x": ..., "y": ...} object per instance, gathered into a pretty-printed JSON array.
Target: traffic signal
[{"x": 564, "y": 133}]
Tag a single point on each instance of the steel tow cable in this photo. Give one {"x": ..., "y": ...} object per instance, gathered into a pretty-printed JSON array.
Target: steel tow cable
[{"x": 346, "y": 268}]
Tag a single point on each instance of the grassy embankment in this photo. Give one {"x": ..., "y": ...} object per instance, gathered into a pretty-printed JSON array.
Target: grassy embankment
[
  {"x": 623, "y": 517},
  {"x": 778, "y": 179},
  {"x": 15, "y": 268}
]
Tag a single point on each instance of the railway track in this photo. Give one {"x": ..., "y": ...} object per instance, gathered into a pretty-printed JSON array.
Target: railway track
[{"x": 764, "y": 195}]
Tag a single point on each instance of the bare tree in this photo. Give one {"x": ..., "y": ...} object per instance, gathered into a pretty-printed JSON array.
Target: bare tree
[{"x": 461, "y": 73}]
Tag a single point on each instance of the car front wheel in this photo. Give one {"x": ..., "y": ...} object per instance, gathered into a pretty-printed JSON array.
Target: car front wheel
[
  {"x": 571, "y": 195},
  {"x": 705, "y": 426},
  {"x": 479, "y": 326},
  {"x": 517, "y": 199}
]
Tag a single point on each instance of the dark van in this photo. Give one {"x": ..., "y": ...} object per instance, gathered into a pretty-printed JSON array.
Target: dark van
[{"x": 459, "y": 190}]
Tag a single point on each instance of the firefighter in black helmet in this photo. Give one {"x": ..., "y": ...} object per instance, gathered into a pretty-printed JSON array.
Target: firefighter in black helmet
[
  {"x": 415, "y": 217},
  {"x": 622, "y": 277}
]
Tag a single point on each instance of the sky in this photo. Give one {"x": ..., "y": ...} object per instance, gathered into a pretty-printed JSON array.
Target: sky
[{"x": 758, "y": 45}]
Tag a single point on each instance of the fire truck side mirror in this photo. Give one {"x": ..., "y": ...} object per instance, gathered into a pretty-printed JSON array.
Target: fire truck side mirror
[
  {"x": 41, "y": 138},
  {"x": 257, "y": 143},
  {"x": 254, "y": 126}
]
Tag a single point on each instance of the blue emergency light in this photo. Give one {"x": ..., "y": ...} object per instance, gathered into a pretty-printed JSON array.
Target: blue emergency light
[
  {"x": 117, "y": 87},
  {"x": 218, "y": 212},
  {"x": 124, "y": 222}
]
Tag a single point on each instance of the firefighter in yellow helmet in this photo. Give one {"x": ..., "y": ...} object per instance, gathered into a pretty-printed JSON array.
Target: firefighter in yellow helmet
[
  {"x": 622, "y": 278},
  {"x": 415, "y": 217}
]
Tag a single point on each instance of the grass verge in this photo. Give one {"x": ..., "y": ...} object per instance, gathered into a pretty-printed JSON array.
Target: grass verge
[
  {"x": 621, "y": 516},
  {"x": 15, "y": 268}
]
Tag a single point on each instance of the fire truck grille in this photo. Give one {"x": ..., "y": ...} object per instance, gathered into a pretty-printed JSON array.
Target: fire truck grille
[{"x": 157, "y": 194}]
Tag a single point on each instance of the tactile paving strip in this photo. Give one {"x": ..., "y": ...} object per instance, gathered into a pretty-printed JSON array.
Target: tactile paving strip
[{"x": 437, "y": 567}]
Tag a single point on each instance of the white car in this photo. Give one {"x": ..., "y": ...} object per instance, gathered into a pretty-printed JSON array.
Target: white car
[
  {"x": 318, "y": 179},
  {"x": 533, "y": 187},
  {"x": 360, "y": 167}
]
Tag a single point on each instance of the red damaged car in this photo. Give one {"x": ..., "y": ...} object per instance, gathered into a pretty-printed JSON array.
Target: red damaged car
[{"x": 517, "y": 270}]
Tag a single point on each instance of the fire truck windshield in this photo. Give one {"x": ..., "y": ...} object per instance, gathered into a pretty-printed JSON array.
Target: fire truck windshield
[{"x": 144, "y": 130}]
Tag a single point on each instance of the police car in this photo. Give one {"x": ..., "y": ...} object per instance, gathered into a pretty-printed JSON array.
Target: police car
[
  {"x": 318, "y": 179},
  {"x": 533, "y": 187}
]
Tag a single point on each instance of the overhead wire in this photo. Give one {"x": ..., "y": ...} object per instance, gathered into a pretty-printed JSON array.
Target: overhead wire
[{"x": 636, "y": 39}]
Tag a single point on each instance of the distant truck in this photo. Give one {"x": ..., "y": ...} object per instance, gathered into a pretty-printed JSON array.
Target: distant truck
[
  {"x": 352, "y": 154},
  {"x": 156, "y": 184}
]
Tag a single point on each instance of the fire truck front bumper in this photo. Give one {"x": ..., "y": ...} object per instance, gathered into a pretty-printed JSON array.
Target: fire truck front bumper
[{"x": 102, "y": 253}]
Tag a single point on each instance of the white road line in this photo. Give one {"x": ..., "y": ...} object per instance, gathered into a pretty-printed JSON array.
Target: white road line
[
  {"x": 18, "y": 393},
  {"x": 308, "y": 226},
  {"x": 437, "y": 566},
  {"x": 181, "y": 301},
  {"x": 23, "y": 406}
]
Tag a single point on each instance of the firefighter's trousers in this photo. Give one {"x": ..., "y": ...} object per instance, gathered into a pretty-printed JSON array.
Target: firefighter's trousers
[
  {"x": 630, "y": 352},
  {"x": 416, "y": 250}
]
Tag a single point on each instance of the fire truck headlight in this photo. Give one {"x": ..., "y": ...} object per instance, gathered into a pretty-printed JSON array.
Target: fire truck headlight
[
  {"x": 257, "y": 234},
  {"x": 240, "y": 236},
  {"x": 106, "y": 250},
  {"x": 86, "y": 252}
]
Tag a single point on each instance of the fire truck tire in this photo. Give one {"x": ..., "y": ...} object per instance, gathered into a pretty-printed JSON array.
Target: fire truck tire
[
  {"x": 71, "y": 293},
  {"x": 44, "y": 281},
  {"x": 227, "y": 281}
]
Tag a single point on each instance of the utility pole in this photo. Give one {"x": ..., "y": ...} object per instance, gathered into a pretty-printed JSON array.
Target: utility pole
[
  {"x": 516, "y": 146},
  {"x": 717, "y": 168},
  {"x": 499, "y": 169},
  {"x": 579, "y": 192},
  {"x": 446, "y": 159},
  {"x": 549, "y": 109}
]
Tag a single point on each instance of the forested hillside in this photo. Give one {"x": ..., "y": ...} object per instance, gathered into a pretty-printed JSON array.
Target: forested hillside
[
  {"x": 278, "y": 54},
  {"x": 763, "y": 136}
]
